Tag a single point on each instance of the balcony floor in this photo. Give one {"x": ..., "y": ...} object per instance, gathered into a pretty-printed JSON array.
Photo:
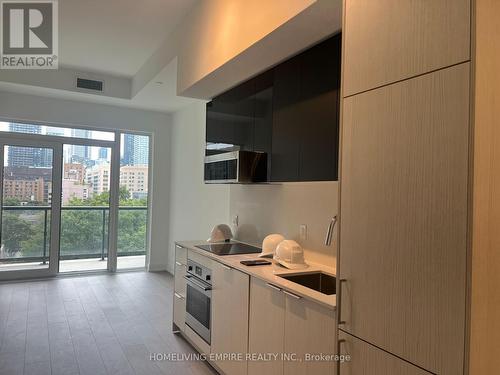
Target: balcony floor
[{"x": 80, "y": 265}]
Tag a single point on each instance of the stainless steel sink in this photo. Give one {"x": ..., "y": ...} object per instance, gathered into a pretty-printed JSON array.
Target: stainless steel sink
[{"x": 319, "y": 281}]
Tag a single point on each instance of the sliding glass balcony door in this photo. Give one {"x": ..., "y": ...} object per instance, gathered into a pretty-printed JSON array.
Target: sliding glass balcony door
[
  {"x": 72, "y": 200},
  {"x": 30, "y": 200},
  {"x": 85, "y": 208}
]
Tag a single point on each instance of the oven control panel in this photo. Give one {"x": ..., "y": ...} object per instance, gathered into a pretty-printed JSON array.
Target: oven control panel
[{"x": 199, "y": 271}]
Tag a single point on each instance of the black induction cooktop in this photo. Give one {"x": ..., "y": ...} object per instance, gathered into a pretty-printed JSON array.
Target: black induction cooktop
[{"x": 229, "y": 248}]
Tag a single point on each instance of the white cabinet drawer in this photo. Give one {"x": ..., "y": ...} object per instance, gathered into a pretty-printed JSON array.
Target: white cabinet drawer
[
  {"x": 282, "y": 322},
  {"x": 180, "y": 254},
  {"x": 229, "y": 316},
  {"x": 179, "y": 281},
  {"x": 179, "y": 311}
]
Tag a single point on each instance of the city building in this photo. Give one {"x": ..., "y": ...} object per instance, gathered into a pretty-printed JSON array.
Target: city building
[
  {"x": 74, "y": 171},
  {"x": 54, "y": 131},
  {"x": 28, "y": 156},
  {"x": 74, "y": 189},
  {"x": 135, "y": 149},
  {"x": 28, "y": 184},
  {"x": 25, "y": 128},
  {"x": 135, "y": 179},
  {"x": 98, "y": 178},
  {"x": 78, "y": 153},
  {"x": 103, "y": 153},
  {"x": 25, "y": 190}
]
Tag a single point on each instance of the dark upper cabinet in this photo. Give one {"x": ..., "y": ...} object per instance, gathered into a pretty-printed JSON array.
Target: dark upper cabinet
[
  {"x": 286, "y": 122},
  {"x": 319, "y": 111},
  {"x": 291, "y": 112},
  {"x": 306, "y": 115},
  {"x": 263, "y": 120},
  {"x": 230, "y": 117}
]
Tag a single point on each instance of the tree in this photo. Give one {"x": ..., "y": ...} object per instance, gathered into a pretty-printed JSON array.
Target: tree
[
  {"x": 15, "y": 231},
  {"x": 81, "y": 229},
  {"x": 9, "y": 201}
]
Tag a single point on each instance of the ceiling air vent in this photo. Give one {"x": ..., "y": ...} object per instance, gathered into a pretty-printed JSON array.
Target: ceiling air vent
[{"x": 89, "y": 84}]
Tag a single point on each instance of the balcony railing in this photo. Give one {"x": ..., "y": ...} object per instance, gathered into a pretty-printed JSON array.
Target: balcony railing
[{"x": 83, "y": 234}]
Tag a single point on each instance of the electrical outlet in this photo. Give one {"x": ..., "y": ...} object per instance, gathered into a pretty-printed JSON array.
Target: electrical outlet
[
  {"x": 303, "y": 232},
  {"x": 235, "y": 221}
]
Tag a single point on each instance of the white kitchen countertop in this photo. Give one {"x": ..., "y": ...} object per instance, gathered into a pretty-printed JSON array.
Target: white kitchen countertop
[{"x": 269, "y": 273}]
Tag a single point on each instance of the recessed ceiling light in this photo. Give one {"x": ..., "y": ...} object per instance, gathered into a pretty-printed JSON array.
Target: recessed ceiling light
[{"x": 159, "y": 83}]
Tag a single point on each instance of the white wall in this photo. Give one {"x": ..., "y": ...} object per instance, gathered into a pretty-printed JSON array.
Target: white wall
[
  {"x": 34, "y": 108},
  {"x": 194, "y": 206},
  {"x": 282, "y": 208}
]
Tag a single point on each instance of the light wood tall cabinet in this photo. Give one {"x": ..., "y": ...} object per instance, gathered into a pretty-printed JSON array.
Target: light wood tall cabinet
[
  {"x": 404, "y": 234},
  {"x": 281, "y": 322},
  {"x": 420, "y": 202},
  {"x": 230, "y": 296},
  {"x": 370, "y": 360},
  {"x": 386, "y": 41}
]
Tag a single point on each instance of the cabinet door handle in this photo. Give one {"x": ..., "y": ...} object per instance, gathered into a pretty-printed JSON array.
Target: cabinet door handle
[
  {"x": 292, "y": 295},
  {"x": 339, "y": 343},
  {"x": 178, "y": 263},
  {"x": 226, "y": 267},
  {"x": 273, "y": 287},
  {"x": 339, "y": 303},
  {"x": 177, "y": 295},
  {"x": 329, "y": 231}
]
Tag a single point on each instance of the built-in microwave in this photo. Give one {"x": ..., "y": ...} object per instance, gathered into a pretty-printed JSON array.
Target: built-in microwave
[{"x": 236, "y": 167}]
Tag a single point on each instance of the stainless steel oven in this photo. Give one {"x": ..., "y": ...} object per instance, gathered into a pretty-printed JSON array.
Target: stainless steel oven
[{"x": 198, "y": 299}]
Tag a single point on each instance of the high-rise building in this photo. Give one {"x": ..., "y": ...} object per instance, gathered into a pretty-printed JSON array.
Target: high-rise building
[
  {"x": 135, "y": 149},
  {"x": 46, "y": 154},
  {"x": 79, "y": 153},
  {"x": 25, "y": 128},
  {"x": 28, "y": 156},
  {"x": 103, "y": 153}
]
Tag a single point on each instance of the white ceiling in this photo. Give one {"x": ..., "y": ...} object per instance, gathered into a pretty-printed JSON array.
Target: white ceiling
[
  {"x": 155, "y": 96},
  {"x": 115, "y": 36},
  {"x": 110, "y": 40},
  {"x": 133, "y": 45}
]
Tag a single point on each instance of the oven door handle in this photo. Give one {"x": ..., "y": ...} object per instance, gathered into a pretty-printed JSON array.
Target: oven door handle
[{"x": 190, "y": 279}]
